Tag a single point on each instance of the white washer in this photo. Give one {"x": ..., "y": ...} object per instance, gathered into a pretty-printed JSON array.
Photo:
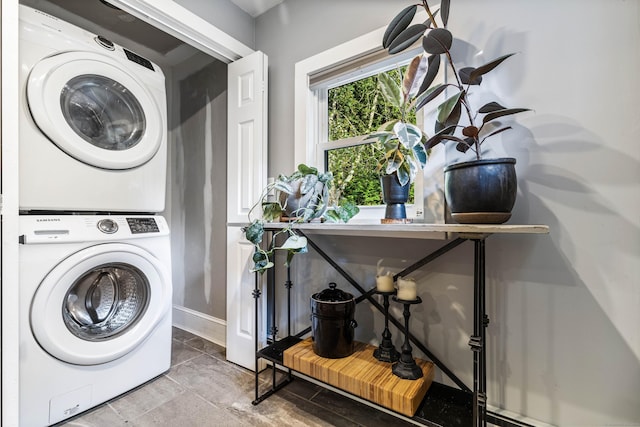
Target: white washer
[
  {"x": 94, "y": 313},
  {"x": 93, "y": 122}
]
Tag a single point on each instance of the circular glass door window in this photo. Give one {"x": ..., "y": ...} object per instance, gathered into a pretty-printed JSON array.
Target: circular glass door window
[
  {"x": 103, "y": 112},
  {"x": 105, "y": 301}
]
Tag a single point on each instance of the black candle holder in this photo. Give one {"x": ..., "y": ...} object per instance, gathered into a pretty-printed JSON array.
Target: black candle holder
[
  {"x": 407, "y": 368},
  {"x": 386, "y": 352}
]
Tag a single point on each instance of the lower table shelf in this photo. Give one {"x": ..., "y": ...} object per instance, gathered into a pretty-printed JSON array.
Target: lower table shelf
[
  {"x": 275, "y": 351},
  {"x": 363, "y": 375},
  {"x": 440, "y": 406}
]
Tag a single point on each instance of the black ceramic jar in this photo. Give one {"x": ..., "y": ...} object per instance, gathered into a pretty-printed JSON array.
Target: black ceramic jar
[{"x": 332, "y": 322}]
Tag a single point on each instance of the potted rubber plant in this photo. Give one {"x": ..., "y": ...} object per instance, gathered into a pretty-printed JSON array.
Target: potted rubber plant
[
  {"x": 296, "y": 198},
  {"x": 403, "y": 151},
  {"x": 480, "y": 190}
]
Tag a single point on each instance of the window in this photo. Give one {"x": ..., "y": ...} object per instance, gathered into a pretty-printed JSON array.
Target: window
[
  {"x": 355, "y": 110},
  {"x": 325, "y": 135}
]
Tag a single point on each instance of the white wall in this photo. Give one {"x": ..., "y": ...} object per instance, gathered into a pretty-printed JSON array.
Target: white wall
[{"x": 564, "y": 340}]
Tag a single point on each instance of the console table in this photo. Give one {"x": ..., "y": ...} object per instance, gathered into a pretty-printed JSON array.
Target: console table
[{"x": 443, "y": 405}]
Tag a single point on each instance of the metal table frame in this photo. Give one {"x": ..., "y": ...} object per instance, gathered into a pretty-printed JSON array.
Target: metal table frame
[{"x": 477, "y": 341}]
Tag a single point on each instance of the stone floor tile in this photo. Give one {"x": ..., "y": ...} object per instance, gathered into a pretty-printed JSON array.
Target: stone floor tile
[
  {"x": 216, "y": 381},
  {"x": 188, "y": 410},
  {"x": 181, "y": 352},
  {"x": 146, "y": 398},
  {"x": 181, "y": 335},
  {"x": 208, "y": 347},
  {"x": 100, "y": 416}
]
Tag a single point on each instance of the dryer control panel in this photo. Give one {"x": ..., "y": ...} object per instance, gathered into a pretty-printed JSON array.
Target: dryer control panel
[
  {"x": 89, "y": 228},
  {"x": 143, "y": 225}
]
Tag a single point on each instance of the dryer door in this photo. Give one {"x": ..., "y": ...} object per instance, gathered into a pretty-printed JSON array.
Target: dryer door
[
  {"x": 100, "y": 303},
  {"x": 94, "y": 110}
]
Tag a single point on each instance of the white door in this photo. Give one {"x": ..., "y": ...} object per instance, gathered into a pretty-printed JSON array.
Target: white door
[{"x": 247, "y": 176}]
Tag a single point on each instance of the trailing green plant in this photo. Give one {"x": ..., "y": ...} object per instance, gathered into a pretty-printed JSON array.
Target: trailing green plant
[
  {"x": 306, "y": 184},
  {"x": 436, "y": 43}
]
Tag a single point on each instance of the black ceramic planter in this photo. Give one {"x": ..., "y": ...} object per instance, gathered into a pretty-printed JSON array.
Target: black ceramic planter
[
  {"x": 481, "y": 191},
  {"x": 395, "y": 196}
]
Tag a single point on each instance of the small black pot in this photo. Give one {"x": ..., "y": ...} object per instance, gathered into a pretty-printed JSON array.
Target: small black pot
[
  {"x": 481, "y": 191},
  {"x": 332, "y": 322},
  {"x": 395, "y": 195}
]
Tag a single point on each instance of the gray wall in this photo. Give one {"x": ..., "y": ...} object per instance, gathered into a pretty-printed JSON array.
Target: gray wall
[
  {"x": 563, "y": 340},
  {"x": 226, "y": 16},
  {"x": 197, "y": 184}
]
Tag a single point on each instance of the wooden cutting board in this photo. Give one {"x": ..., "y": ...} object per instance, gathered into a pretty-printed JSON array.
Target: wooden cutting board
[{"x": 363, "y": 375}]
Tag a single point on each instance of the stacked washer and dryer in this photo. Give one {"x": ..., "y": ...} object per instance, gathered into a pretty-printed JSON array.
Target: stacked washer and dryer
[{"x": 95, "y": 262}]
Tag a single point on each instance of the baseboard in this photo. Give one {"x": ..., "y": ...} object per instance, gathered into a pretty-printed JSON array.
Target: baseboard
[
  {"x": 502, "y": 417},
  {"x": 200, "y": 324}
]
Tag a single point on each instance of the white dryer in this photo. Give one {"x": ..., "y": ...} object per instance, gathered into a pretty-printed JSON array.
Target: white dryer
[
  {"x": 93, "y": 122},
  {"x": 95, "y": 310}
]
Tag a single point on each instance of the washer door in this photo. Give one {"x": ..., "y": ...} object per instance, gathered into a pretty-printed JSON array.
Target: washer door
[
  {"x": 100, "y": 303},
  {"x": 93, "y": 110}
]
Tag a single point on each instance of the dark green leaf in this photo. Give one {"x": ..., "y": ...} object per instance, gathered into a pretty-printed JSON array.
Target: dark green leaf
[
  {"x": 437, "y": 41},
  {"x": 446, "y": 109},
  {"x": 307, "y": 170},
  {"x": 271, "y": 211},
  {"x": 488, "y": 67},
  {"x": 454, "y": 117},
  {"x": 398, "y": 24},
  {"x": 388, "y": 126},
  {"x": 501, "y": 113},
  {"x": 420, "y": 153},
  {"x": 465, "y": 76},
  {"x": 407, "y": 38},
  {"x": 259, "y": 256},
  {"x": 390, "y": 90},
  {"x": 403, "y": 176},
  {"x": 432, "y": 72},
  {"x": 261, "y": 261},
  {"x": 444, "y": 11},
  {"x": 254, "y": 232},
  {"x": 443, "y": 133},
  {"x": 429, "y": 95},
  {"x": 491, "y": 106},
  {"x": 343, "y": 212},
  {"x": 462, "y": 147},
  {"x": 496, "y": 132}
]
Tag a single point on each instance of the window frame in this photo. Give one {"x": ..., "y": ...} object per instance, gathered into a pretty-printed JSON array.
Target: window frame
[{"x": 311, "y": 107}]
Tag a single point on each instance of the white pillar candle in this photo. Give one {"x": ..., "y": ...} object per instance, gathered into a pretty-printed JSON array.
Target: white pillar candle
[
  {"x": 407, "y": 289},
  {"x": 385, "y": 283}
]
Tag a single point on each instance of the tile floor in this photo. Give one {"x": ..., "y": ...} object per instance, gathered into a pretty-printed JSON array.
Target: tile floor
[{"x": 202, "y": 389}]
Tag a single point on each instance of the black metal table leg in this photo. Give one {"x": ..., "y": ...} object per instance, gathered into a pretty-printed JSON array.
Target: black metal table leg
[
  {"x": 478, "y": 339},
  {"x": 256, "y": 297}
]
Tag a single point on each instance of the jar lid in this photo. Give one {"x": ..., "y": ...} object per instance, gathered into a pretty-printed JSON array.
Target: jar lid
[{"x": 332, "y": 294}]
